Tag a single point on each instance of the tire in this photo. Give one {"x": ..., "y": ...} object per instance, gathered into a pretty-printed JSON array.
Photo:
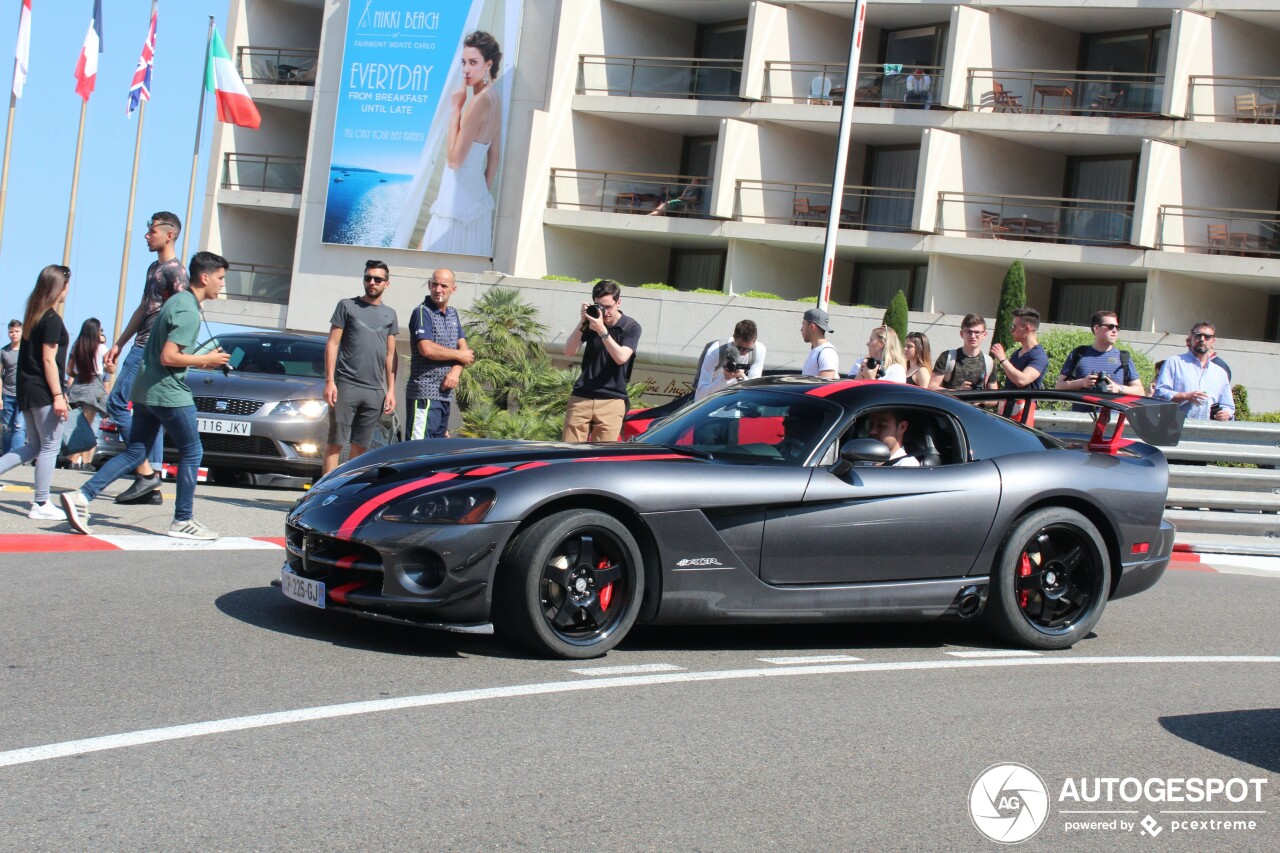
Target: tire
[
  {"x": 571, "y": 585},
  {"x": 1051, "y": 580}
]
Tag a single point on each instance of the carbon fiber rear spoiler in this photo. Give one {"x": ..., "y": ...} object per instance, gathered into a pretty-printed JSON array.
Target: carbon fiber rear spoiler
[{"x": 1157, "y": 422}]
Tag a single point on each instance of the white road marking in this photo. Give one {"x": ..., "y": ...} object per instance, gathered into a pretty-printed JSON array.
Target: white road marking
[
  {"x": 168, "y": 543},
  {"x": 351, "y": 709},
  {"x": 635, "y": 669},
  {"x": 802, "y": 659},
  {"x": 995, "y": 653}
]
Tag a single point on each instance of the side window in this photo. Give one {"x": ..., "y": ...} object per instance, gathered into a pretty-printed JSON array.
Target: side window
[{"x": 932, "y": 437}]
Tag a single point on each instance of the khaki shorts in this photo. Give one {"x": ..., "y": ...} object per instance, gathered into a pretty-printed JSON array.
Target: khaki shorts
[{"x": 593, "y": 420}]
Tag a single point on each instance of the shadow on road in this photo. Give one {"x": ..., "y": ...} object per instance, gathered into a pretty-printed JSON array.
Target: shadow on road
[
  {"x": 802, "y": 638},
  {"x": 1250, "y": 736},
  {"x": 265, "y": 607}
]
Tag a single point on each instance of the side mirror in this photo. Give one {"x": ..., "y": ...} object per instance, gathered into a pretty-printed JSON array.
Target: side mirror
[{"x": 860, "y": 450}]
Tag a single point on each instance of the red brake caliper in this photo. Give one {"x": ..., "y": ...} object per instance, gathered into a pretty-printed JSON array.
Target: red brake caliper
[
  {"x": 1024, "y": 570},
  {"x": 606, "y": 591}
]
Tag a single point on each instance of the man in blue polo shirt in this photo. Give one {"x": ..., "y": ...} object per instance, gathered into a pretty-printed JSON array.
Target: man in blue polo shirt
[
  {"x": 439, "y": 352},
  {"x": 1082, "y": 368}
]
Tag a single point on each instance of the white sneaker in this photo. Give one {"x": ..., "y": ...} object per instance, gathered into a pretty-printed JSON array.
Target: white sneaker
[
  {"x": 45, "y": 512},
  {"x": 76, "y": 509},
  {"x": 192, "y": 529}
]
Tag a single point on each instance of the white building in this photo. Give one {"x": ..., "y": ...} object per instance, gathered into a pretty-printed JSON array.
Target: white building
[{"x": 1127, "y": 151}]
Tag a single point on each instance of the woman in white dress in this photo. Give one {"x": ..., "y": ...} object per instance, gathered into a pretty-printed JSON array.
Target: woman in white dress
[{"x": 462, "y": 216}]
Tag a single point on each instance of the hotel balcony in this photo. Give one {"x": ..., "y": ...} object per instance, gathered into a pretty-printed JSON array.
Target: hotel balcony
[
  {"x": 659, "y": 77},
  {"x": 1219, "y": 231},
  {"x": 280, "y": 76},
  {"x": 258, "y": 283},
  {"x": 1072, "y": 221},
  {"x": 262, "y": 182},
  {"x": 629, "y": 192},
  {"x": 1075, "y": 93},
  {"x": 1249, "y": 100},
  {"x": 809, "y": 204},
  {"x": 827, "y": 83}
]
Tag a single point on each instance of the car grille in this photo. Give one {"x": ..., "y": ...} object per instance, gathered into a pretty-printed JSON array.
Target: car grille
[
  {"x": 314, "y": 553},
  {"x": 240, "y": 445},
  {"x": 233, "y": 406}
]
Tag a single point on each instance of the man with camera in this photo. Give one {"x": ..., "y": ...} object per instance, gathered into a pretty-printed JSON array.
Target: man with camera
[
  {"x": 1201, "y": 388},
  {"x": 737, "y": 359},
  {"x": 608, "y": 341},
  {"x": 1101, "y": 367}
]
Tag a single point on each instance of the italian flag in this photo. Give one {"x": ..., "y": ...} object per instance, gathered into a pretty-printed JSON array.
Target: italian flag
[{"x": 220, "y": 77}]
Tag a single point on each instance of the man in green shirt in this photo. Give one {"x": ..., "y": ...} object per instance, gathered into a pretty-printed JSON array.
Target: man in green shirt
[{"x": 161, "y": 398}]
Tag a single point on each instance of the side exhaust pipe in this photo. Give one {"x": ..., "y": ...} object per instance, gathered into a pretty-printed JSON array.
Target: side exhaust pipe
[{"x": 969, "y": 601}]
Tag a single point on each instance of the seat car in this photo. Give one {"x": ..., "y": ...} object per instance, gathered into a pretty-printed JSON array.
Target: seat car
[
  {"x": 764, "y": 502},
  {"x": 265, "y": 415}
]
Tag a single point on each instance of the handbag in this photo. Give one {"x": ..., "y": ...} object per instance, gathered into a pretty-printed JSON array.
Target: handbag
[{"x": 81, "y": 437}]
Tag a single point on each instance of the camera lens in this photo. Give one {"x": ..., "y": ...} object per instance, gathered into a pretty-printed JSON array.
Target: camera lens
[{"x": 593, "y": 310}]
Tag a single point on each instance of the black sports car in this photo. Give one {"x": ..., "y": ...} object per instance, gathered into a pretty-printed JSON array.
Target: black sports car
[{"x": 765, "y": 502}]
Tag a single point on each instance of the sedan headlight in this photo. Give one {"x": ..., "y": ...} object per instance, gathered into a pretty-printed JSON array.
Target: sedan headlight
[
  {"x": 459, "y": 506},
  {"x": 309, "y": 409}
]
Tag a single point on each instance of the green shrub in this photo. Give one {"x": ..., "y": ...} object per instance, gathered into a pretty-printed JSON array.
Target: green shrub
[
  {"x": 1013, "y": 294},
  {"x": 1240, "y": 396},
  {"x": 1058, "y": 344},
  {"x": 710, "y": 291},
  {"x": 1263, "y": 417},
  {"x": 895, "y": 316},
  {"x": 657, "y": 285},
  {"x": 760, "y": 294},
  {"x": 813, "y": 300},
  {"x": 558, "y": 278}
]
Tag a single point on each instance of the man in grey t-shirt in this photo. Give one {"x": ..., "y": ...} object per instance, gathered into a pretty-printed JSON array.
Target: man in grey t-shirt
[
  {"x": 11, "y": 424},
  {"x": 360, "y": 366}
]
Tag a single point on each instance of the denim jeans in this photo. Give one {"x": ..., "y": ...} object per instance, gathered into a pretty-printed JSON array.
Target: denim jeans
[
  {"x": 12, "y": 425},
  {"x": 43, "y": 442},
  {"x": 118, "y": 403},
  {"x": 180, "y": 423}
]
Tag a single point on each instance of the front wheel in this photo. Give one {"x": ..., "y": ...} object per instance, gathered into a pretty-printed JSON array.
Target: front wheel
[
  {"x": 1051, "y": 580},
  {"x": 571, "y": 585}
]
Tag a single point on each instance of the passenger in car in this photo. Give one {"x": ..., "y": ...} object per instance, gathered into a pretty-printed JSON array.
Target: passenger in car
[{"x": 889, "y": 427}]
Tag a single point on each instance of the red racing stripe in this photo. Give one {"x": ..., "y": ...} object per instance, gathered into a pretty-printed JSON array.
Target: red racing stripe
[
  {"x": 485, "y": 471},
  {"x": 836, "y": 387},
  {"x": 347, "y": 561},
  {"x": 526, "y": 466},
  {"x": 339, "y": 593},
  {"x": 274, "y": 540},
  {"x": 635, "y": 458},
  {"x": 356, "y": 518}
]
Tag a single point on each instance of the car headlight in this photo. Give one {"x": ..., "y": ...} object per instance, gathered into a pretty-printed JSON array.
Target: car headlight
[
  {"x": 459, "y": 506},
  {"x": 309, "y": 409}
]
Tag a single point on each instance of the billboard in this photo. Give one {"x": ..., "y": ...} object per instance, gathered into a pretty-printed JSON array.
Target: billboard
[{"x": 421, "y": 119}]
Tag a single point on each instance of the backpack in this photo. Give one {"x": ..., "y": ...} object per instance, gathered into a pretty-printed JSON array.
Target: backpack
[
  {"x": 720, "y": 358},
  {"x": 1073, "y": 358},
  {"x": 950, "y": 365}
]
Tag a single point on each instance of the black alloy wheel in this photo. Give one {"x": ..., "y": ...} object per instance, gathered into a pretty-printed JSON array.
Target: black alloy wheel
[
  {"x": 1051, "y": 580},
  {"x": 570, "y": 586}
]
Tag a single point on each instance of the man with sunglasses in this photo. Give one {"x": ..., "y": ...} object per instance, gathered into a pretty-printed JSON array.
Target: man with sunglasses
[
  {"x": 165, "y": 277},
  {"x": 739, "y": 358},
  {"x": 1085, "y": 365},
  {"x": 360, "y": 366},
  {"x": 1200, "y": 387}
]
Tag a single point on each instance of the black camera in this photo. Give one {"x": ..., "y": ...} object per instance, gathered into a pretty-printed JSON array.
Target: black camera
[
  {"x": 593, "y": 310},
  {"x": 1100, "y": 382},
  {"x": 732, "y": 366},
  {"x": 871, "y": 363}
]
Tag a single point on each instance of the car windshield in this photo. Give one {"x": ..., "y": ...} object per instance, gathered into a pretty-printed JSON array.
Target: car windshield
[
  {"x": 751, "y": 425},
  {"x": 281, "y": 356}
]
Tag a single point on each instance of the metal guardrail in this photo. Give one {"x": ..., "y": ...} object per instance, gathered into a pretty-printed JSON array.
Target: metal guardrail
[
  {"x": 1251, "y": 100},
  {"x": 258, "y": 283},
  {"x": 629, "y": 192},
  {"x": 279, "y": 66},
  {"x": 801, "y": 203},
  {"x": 265, "y": 172},
  {"x": 1088, "y": 93},
  {"x": 1219, "y": 230},
  {"x": 878, "y": 85},
  {"x": 1076, "y": 221},
  {"x": 659, "y": 77}
]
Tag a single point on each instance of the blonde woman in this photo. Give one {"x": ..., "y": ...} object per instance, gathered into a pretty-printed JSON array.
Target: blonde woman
[
  {"x": 884, "y": 357},
  {"x": 919, "y": 359}
]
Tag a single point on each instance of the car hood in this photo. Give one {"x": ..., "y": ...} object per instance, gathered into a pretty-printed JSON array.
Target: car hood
[{"x": 254, "y": 386}]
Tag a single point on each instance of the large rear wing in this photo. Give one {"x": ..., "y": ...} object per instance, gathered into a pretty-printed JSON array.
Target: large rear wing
[{"x": 1157, "y": 422}]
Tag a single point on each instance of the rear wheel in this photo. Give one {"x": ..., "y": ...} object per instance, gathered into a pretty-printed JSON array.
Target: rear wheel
[
  {"x": 570, "y": 586},
  {"x": 1051, "y": 580}
]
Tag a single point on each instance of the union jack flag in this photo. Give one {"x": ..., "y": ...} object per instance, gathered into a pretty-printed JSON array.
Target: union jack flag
[{"x": 141, "y": 89}]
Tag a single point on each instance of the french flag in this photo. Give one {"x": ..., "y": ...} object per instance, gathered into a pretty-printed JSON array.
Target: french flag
[
  {"x": 140, "y": 90},
  {"x": 87, "y": 65}
]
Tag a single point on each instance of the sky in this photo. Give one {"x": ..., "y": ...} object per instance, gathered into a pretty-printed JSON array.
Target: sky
[{"x": 44, "y": 143}]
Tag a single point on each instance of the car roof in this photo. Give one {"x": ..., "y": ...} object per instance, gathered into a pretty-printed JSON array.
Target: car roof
[{"x": 272, "y": 335}]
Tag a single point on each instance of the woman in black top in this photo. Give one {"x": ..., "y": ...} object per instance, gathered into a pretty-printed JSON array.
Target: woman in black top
[{"x": 40, "y": 385}]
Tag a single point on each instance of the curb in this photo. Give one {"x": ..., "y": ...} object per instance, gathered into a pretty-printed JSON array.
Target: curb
[
  {"x": 53, "y": 543},
  {"x": 1186, "y": 558}
]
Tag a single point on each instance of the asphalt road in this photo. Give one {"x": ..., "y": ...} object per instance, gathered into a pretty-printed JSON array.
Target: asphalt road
[{"x": 176, "y": 701}]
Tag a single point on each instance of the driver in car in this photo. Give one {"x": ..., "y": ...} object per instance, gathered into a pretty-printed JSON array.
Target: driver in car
[
  {"x": 799, "y": 428},
  {"x": 889, "y": 428}
]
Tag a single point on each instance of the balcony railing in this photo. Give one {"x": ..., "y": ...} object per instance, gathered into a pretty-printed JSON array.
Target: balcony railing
[
  {"x": 263, "y": 172},
  {"x": 1252, "y": 100},
  {"x": 808, "y": 204},
  {"x": 827, "y": 83},
  {"x": 279, "y": 66},
  {"x": 659, "y": 77},
  {"x": 258, "y": 283},
  {"x": 630, "y": 192},
  {"x": 1076, "y": 221},
  {"x": 1085, "y": 93},
  {"x": 1219, "y": 231}
]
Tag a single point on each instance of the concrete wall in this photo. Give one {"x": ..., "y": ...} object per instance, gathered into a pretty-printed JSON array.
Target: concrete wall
[
  {"x": 1199, "y": 176},
  {"x": 960, "y": 285},
  {"x": 767, "y": 38},
  {"x": 1240, "y": 49},
  {"x": 1190, "y": 53},
  {"x": 789, "y": 274},
  {"x": 1159, "y": 182},
  {"x": 1179, "y": 300},
  {"x": 588, "y": 256},
  {"x": 265, "y": 23}
]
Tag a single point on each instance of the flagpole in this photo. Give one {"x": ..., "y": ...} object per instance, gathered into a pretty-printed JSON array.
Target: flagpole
[
  {"x": 195, "y": 156},
  {"x": 75, "y": 185},
  {"x": 8, "y": 131},
  {"x": 128, "y": 227}
]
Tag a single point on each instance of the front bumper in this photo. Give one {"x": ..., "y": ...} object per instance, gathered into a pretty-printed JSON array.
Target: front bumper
[
  {"x": 435, "y": 575},
  {"x": 1142, "y": 574}
]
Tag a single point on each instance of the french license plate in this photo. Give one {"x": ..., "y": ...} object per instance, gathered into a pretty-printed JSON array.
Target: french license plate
[
  {"x": 301, "y": 589},
  {"x": 218, "y": 426}
]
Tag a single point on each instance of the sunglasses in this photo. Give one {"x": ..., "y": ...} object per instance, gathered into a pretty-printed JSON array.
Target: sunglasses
[
  {"x": 1114, "y": 327},
  {"x": 1202, "y": 336},
  {"x": 373, "y": 279}
]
